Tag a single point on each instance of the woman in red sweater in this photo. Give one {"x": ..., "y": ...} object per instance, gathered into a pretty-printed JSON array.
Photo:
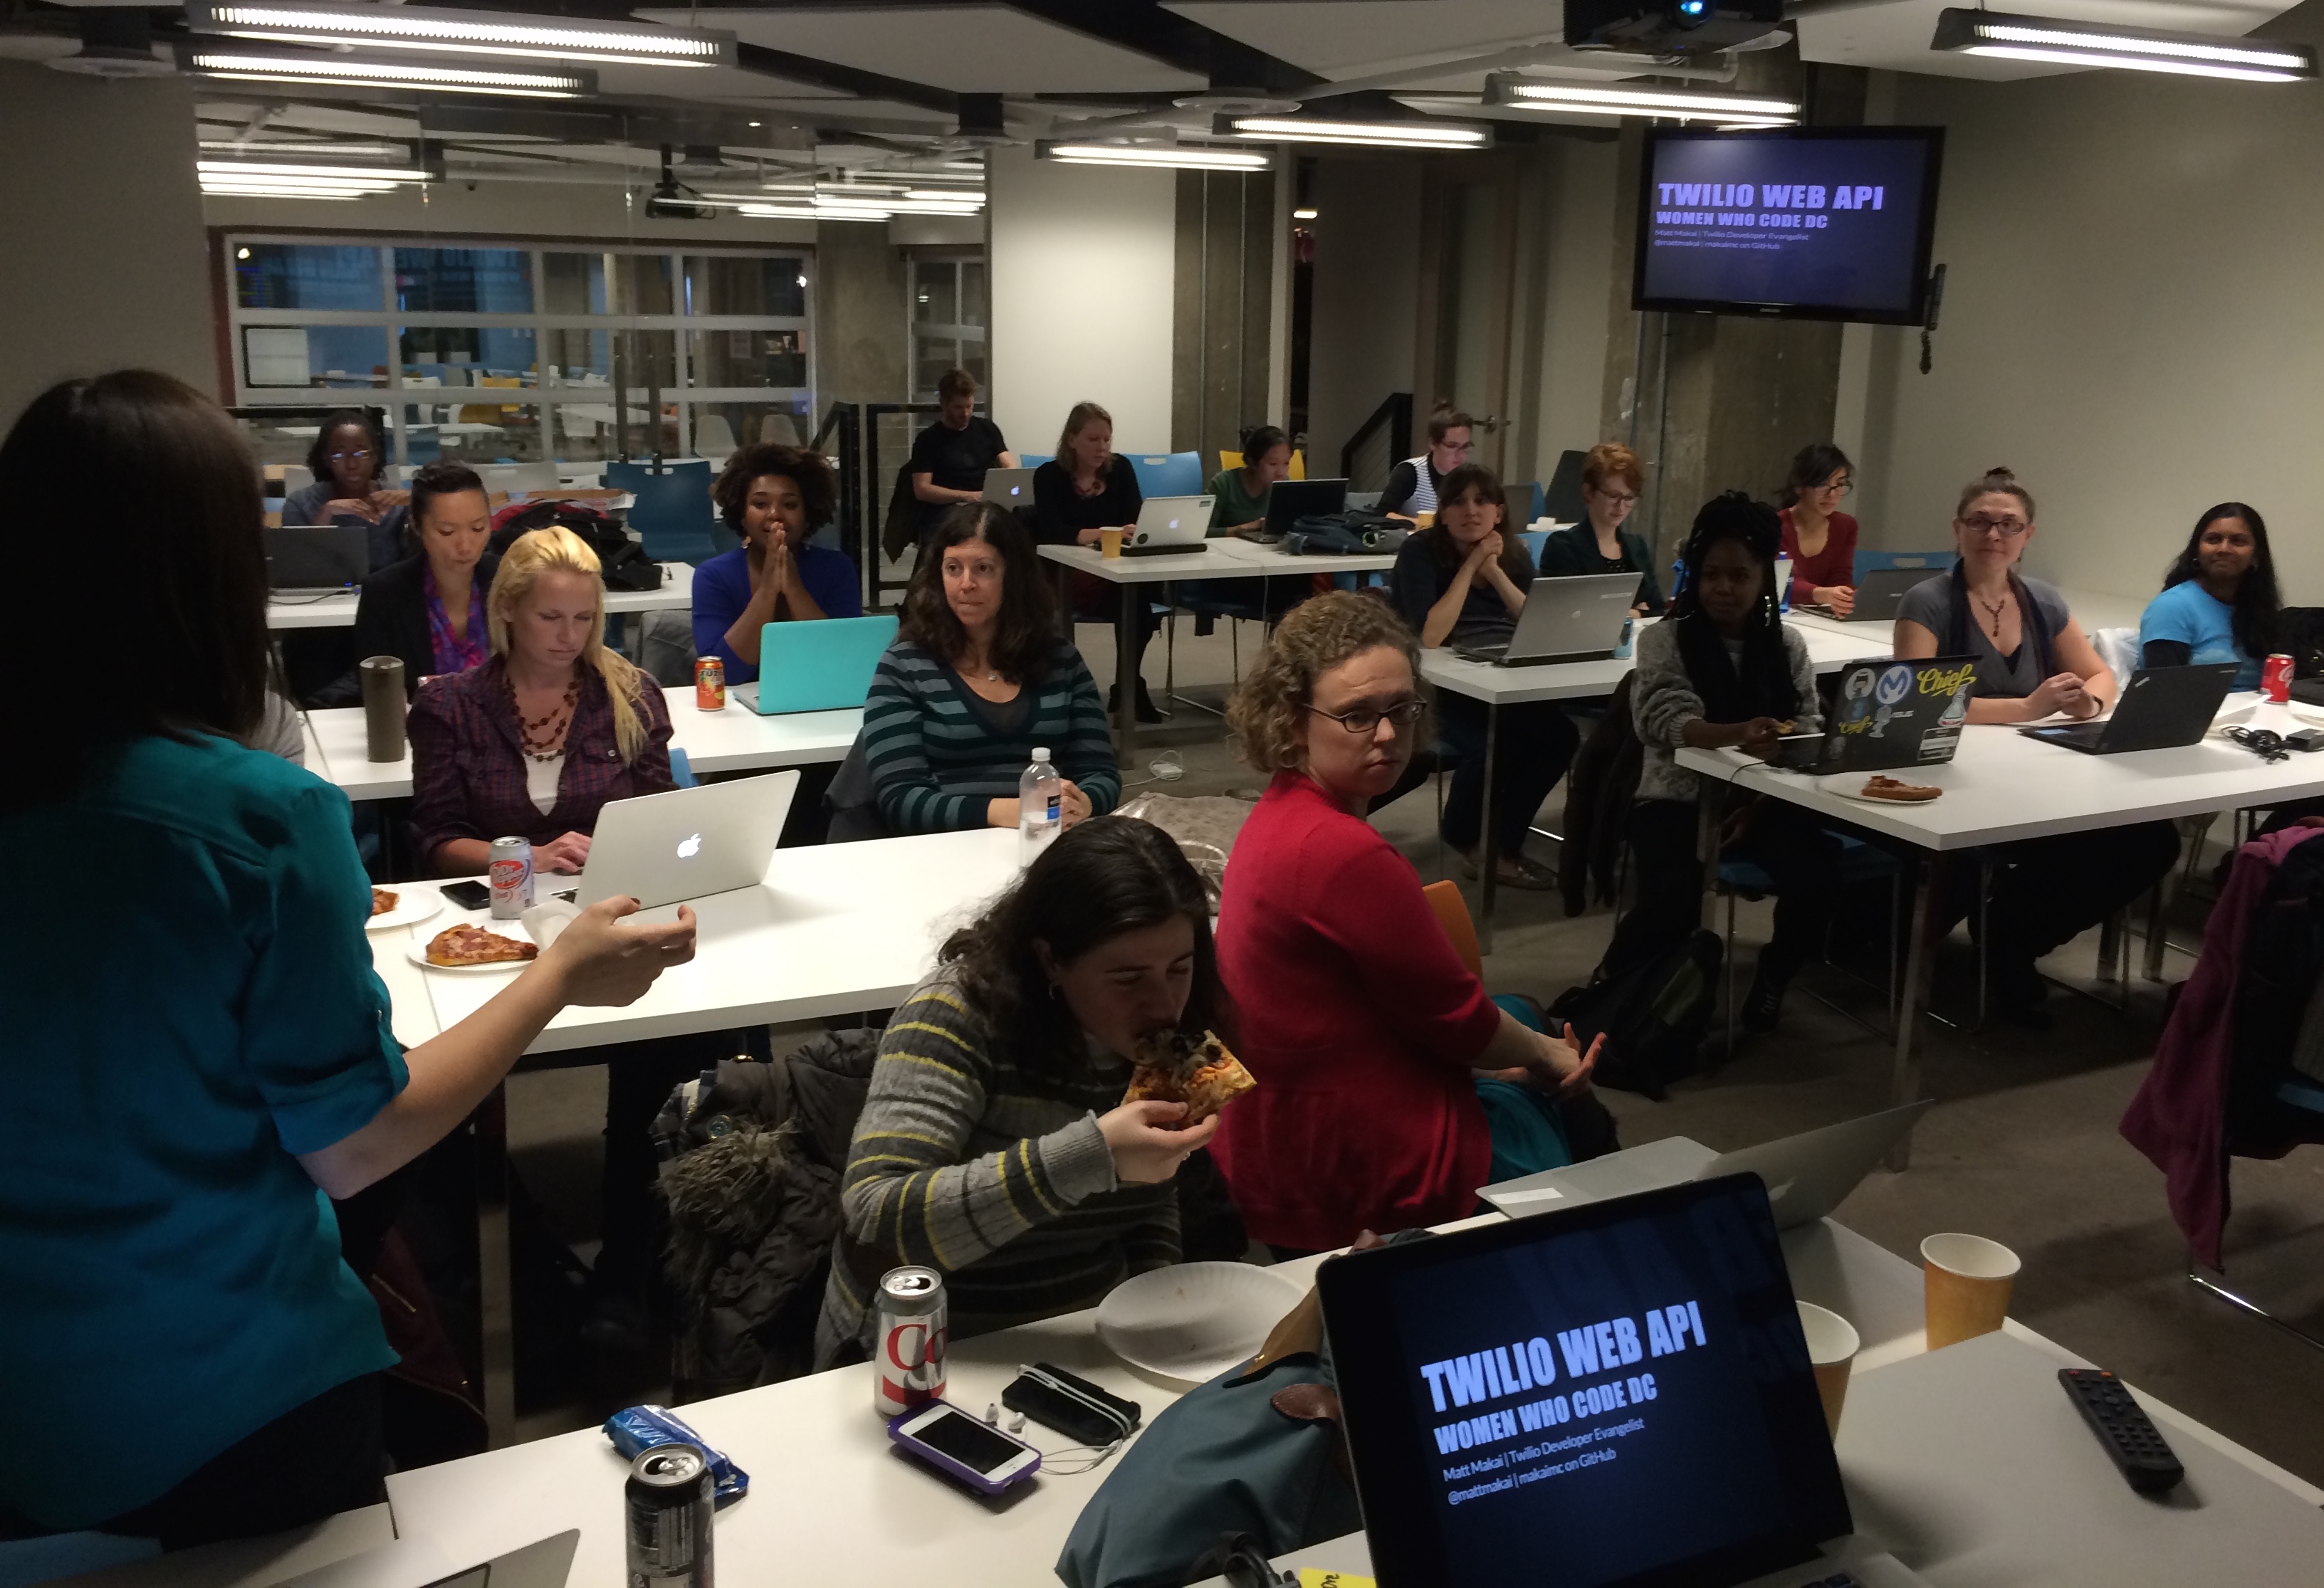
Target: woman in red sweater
[
  {"x": 1819, "y": 538},
  {"x": 1368, "y": 1037}
]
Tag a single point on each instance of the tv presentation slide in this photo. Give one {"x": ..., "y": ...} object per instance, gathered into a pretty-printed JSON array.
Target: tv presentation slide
[
  {"x": 1605, "y": 1399},
  {"x": 1826, "y": 222}
]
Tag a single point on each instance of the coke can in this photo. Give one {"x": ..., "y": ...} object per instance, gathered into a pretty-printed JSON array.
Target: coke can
[
  {"x": 2275, "y": 679},
  {"x": 908, "y": 1341},
  {"x": 510, "y": 869},
  {"x": 667, "y": 1504},
  {"x": 709, "y": 684}
]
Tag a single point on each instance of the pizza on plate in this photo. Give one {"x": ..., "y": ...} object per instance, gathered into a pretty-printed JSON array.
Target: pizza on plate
[
  {"x": 1174, "y": 1066},
  {"x": 1889, "y": 788},
  {"x": 383, "y": 900},
  {"x": 472, "y": 945}
]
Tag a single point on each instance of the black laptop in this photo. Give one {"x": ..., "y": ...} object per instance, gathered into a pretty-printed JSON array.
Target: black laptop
[
  {"x": 2161, "y": 709},
  {"x": 1290, "y": 501},
  {"x": 1617, "y": 1394},
  {"x": 1889, "y": 713},
  {"x": 311, "y": 559},
  {"x": 1881, "y": 590}
]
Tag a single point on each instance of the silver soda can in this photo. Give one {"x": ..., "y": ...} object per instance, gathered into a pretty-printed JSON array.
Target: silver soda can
[
  {"x": 666, "y": 1505},
  {"x": 907, "y": 1342},
  {"x": 511, "y": 870}
]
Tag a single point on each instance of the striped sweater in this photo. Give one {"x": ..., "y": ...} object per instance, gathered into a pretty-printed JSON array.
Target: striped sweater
[
  {"x": 938, "y": 753},
  {"x": 989, "y": 1172}
]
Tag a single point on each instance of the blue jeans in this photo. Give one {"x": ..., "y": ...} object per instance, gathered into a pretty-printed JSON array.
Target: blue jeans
[{"x": 1537, "y": 745}]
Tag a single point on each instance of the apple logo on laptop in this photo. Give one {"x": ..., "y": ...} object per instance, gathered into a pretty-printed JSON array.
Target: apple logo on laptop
[{"x": 690, "y": 846}]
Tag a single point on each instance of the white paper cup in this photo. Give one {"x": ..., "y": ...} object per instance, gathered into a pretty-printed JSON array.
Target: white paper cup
[
  {"x": 1832, "y": 1344},
  {"x": 1967, "y": 1280}
]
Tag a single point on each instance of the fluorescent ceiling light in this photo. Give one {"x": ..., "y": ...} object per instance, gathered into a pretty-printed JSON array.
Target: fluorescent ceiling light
[
  {"x": 1411, "y": 134},
  {"x": 1156, "y": 156},
  {"x": 2012, "y": 37},
  {"x": 299, "y": 66},
  {"x": 1621, "y": 99},
  {"x": 1303, "y": 215},
  {"x": 290, "y": 183},
  {"x": 265, "y": 190},
  {"x": 465, "y": 32},
  {"x": 945, "y": 195},
  {"x": 384, "y": 174}
]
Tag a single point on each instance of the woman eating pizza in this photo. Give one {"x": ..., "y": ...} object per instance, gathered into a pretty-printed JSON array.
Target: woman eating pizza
[
  {"x": 997, "y": 1146},
  {"x": 200, "y": 1054},
  {"x": 1390, "y": 1086}
]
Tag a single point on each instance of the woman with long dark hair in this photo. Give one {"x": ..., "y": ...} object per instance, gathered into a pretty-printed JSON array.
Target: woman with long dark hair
[
  {"x": 1722, "y": 671},
  {"x": 976, "y": 679},
  {"x": 1463, "y": 581},
  {"x": 995, "y": 1146},
  {"x": 2032, "y": 660},
  {"x": 2220, "y": 602},
  {"x": 200, "y": 1054}
]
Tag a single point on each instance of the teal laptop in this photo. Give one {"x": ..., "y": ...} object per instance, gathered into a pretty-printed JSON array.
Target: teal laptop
[{"x": 823, "y": 666}]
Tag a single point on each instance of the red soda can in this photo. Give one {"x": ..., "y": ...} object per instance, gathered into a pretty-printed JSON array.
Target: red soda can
[
  {"x": 907, "y": 1341},
  {"x": 509, "y": 863},
  {"x": 2275, "y": 678},
  {"x": 709, "y": 683}
]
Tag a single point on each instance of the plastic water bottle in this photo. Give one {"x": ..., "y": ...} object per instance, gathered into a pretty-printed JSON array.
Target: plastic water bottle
[{"x": 1040, "y": 807}]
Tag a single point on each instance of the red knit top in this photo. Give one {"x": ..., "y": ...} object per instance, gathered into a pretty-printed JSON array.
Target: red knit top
[
  {"x": 1359, "y": 1024},
  {"x": 1834, "y": 565}
]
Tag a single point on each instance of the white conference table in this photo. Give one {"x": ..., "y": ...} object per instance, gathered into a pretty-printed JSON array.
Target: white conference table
[
  {"x": 1224, "y": 556},
  {"x": 831, "y": 1502},
  {"x": 1830, "y": 647},
  {"x": 734, "y": 739},
  {"x": 2003, "y": 787},
  {"x": 834, "y": 930},
  {"x": 337, "y": 609}
]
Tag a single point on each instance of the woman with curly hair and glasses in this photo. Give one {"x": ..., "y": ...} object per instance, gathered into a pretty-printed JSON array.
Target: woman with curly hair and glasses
[{"x": 1390, "y": 1086}]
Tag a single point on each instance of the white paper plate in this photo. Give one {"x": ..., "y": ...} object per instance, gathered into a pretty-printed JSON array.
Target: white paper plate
[
  {"x": 1193, "y": 1321},
  {"x": 1849, "y": 785},
  {"x": 414, "y": 902},
  {"x": 416, "y": 951}
]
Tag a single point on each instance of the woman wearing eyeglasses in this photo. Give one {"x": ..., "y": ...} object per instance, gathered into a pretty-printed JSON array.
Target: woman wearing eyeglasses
[
  {"x": 1819, "y": 538},
  {"x": 2032, "y": 661},
  {"x": 1415, "y": 485},
  {"x": 1390, "y": 1086},
  {"x": 1612, "y": 481},
  {"x": 348, "y": 459}
]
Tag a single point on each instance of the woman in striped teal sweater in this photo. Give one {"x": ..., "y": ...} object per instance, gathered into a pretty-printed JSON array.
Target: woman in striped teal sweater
[
  {"x": 995, "y": 1146},
  {"x": 976, "y": 679}
]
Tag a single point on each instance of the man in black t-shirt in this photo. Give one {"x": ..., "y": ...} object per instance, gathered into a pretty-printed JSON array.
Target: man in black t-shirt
[{"x": 949, "y": 458}]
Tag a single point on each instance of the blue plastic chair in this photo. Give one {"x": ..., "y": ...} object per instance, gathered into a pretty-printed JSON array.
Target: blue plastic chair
[
  {"x": 681, "y": 770},
  {"x": 1535, "y": 540},
  {"x": 673, "y": 514},
  {"x": 1034, "y": 460},
  {"x": 1175, "y": 474},
  {"x": 1936, "y": 562}
]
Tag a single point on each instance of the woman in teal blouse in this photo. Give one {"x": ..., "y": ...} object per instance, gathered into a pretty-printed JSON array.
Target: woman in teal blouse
[{"x": 199, "y": 1054}]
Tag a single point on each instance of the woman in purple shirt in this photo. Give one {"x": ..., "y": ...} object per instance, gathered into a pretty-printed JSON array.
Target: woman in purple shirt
[
  {"x": 773, "y": 497},
  {"x": 428, "y": 610}
]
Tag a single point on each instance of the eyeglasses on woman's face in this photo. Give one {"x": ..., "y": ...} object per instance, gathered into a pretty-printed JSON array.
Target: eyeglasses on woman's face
[
  {"x": 2007, "y": 527},
  {"x": 360, "y": 455},
  {"x": 1839, "y": 484},
  {"x": 1362, "y": 720}
]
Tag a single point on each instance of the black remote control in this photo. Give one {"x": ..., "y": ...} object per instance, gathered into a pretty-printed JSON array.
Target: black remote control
[{"x": 2122, "y": 1426}]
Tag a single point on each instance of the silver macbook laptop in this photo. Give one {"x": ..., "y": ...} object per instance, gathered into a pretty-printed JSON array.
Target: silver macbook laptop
[
  {"x": 1808, "y": 1175},
  {"x": 1169, "y": 524},
  {"x": 1572, "y": 620},
  {"x": 415, "y": 1563},
  {"x": 313, "y": 559},
  {"x": 1011, "y": 488},
  {"x": 689, "y": 843}
]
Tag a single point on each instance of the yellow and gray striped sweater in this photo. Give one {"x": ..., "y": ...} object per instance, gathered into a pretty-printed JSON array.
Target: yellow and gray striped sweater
[{"x": 991, "y": 1171}]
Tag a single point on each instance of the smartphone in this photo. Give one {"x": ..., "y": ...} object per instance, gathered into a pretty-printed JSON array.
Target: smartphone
[
  {"x": 964, "y": 1447},
  {"x": 1070, "y": 1405},
  {"x": 468, "y": 895}
]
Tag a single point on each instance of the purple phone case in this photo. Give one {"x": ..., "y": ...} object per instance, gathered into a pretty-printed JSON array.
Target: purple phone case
[{"x": 946, "y": 1464}]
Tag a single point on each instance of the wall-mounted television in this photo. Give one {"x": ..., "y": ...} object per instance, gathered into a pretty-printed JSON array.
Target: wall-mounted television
[{"x": 1806, "y": 223}]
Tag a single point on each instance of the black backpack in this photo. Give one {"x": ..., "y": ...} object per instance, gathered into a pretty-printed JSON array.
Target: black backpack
[
  {"x": 623, "y": 561},
  {"x": 1654, "y": 1016}
]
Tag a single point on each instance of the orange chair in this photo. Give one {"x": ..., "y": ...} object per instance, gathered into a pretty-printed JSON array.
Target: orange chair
[
  {"x": 1453, "y": 912},
  {"x": 1233, "y": 460}
]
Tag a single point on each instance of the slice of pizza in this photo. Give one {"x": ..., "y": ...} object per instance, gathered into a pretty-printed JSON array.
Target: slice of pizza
[
  {"x": 1890, "y": 788},
  {"x": 472, "y": 945},
  {"x": 1174, "y": 1067},
  {"x": 382, "y": 901}
]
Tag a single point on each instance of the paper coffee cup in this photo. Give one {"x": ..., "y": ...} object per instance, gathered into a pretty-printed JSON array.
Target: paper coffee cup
[
  {"x": 1109, "y": 543},
  {"x": 1967, "y": 1280},
  {"x": 1832, "y": 1344}
]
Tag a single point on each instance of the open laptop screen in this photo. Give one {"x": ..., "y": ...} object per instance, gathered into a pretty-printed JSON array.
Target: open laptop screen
[{"x": 1620, "y": 1394}]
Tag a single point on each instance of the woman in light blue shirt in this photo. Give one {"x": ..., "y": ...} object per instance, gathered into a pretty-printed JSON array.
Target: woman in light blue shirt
[
  {"x": 198, "y": 1054},
  {"x": 2218, "y": 601}
]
